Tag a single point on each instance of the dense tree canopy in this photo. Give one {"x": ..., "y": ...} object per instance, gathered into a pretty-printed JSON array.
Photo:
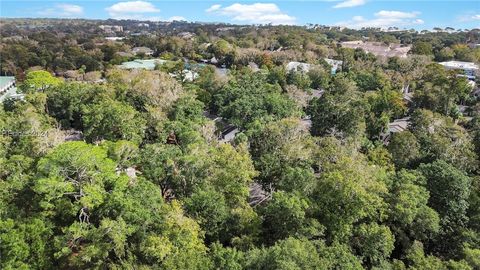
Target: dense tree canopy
[{"x": 248, "y": 165}]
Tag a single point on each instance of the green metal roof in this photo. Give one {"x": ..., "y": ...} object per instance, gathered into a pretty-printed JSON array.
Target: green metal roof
[
  {"x": 4, "y": 80},
  {"x": 145, "y": 64}
]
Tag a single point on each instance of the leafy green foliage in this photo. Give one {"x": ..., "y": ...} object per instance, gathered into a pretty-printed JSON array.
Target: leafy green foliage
[
  {"x": 375, "y": 242},
  {"x": 293, "y": 221},
  {"x": 250, "y": 98},
  {"x": 404, "y": 148},
  {"x": 440, "y": 90},
  {"x": 283, "y": 154},
  {"x": 410, "y": 216},
  {"x": 129, "y": 173},
  {"x": 449, "y": 189},
  {"x": 39, "y": 80},
  {"x": 112, "y": 120},
  {"x": 339, "y": 111},
  {"x": 440, "y": 138}
]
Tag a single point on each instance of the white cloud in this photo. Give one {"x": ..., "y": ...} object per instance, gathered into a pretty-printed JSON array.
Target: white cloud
[
  {"x": 396, "y": 14},
  {"x": 350, "y": 3},
  {"x": 468, "y": 17},
  {"x": 63, "y": 10},
  {"x": 133, "y": 10},
  {"x": 71, "y": 9},
  {"x": 138, "y": 17},
  {"x": 213, "y": 8},
  {"x": 257, "y": 13},
  {"x": 133, "y": 7},
  {"x": 384, "y": 19}
]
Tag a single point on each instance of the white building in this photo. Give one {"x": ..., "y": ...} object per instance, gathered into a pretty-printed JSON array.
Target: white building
[
  {"x": 111, "y": 28},
  {"x": 305, "y": 67},
  {"x": 335, "y": 64},
  {"x": 186, "y": 35},
  {"x": 298, "y": 66},
  {"x": 114, "y": 38},
  {"x": 188, "y": 75},
  {"x": 470, "y": 69}
]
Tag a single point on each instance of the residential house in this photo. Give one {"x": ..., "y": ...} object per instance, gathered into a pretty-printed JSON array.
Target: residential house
[
  {"x": 186, "y": 35},
  {"x": 142, "y": 50},
  {"x": 298, "y": 67},
  {"x": 188, "y": 75},
  {"x": 305, "y": 67},
  {"x": 226, "y": 132},
  {"x": 335, "y": 64},
  {"x": 111, "y": 28},
  {"x": 398, "y": 125}
]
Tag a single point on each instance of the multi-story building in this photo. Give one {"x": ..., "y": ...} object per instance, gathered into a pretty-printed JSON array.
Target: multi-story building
[
  {"x": 470, "y": 69},
  {"x": 111, "y": 28}
]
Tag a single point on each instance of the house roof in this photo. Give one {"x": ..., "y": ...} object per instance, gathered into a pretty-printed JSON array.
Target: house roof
[
  {"x": 298, "y": 66},
  {"x": 408, "y": 97},
  {"x": 459, "y": 65},
  {"x": 6, "y": 80},
  {"x": 399, "y": 125},
  {"x": 114, "y": 38},
  {"x": 142, "y": 64},
  {"x": 333, "y": 62},
  {"x": 142, "y": 49},
  {"x": 229, "y": 129}
]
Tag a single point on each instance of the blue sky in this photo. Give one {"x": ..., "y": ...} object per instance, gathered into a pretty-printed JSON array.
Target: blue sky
[{"x": 420, "y": 14}]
